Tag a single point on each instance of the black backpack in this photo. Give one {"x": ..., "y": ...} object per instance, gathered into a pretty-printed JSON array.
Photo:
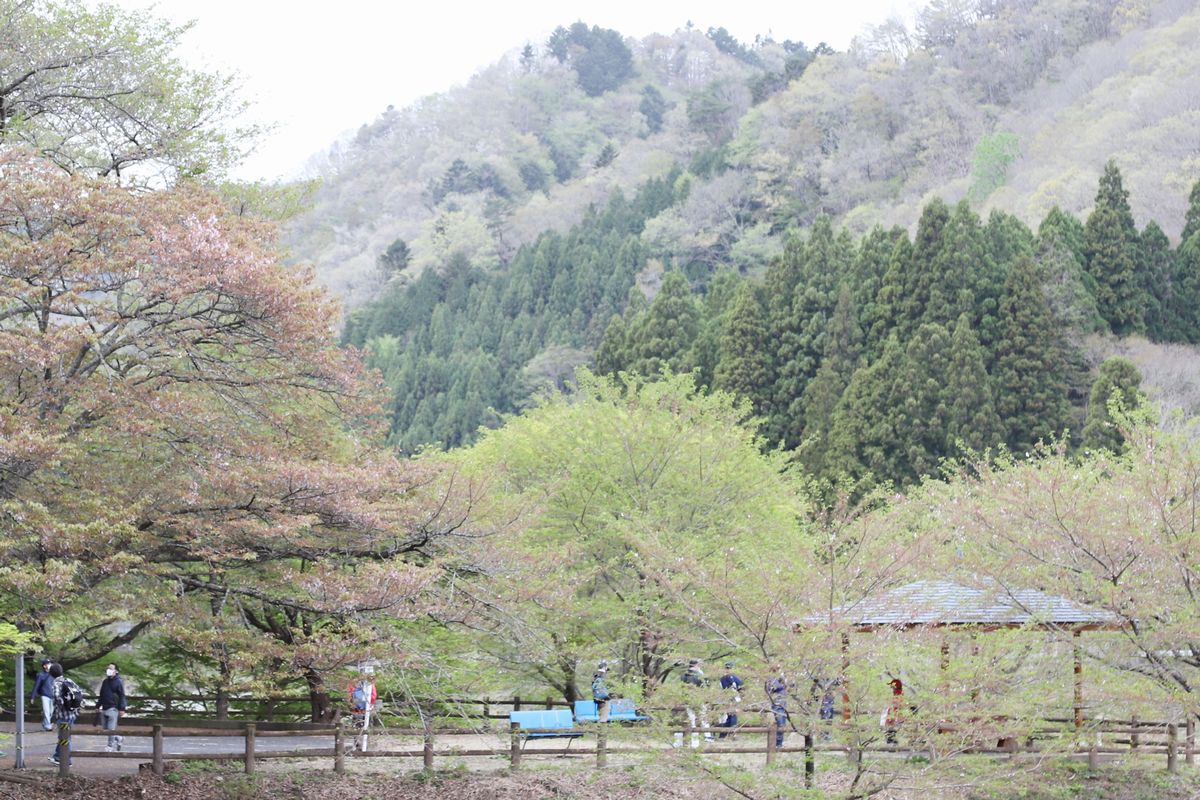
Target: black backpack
[{"x": 68, "y": 699}]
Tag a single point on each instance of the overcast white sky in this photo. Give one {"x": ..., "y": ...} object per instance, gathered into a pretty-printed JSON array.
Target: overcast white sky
[{"x": 318, "y": 69}]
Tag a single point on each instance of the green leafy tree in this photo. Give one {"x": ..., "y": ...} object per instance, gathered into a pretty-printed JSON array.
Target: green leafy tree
[
  {"x": 1157, "y": 274},
  {"x": 866, "y": 441},
  {"x": 1111, "y": 250},
  {"x": 744, "y": 365},
  {"x": 1191, "y": 219},
  {"x": 102, "y": 92},
  {"x": 994, "y": 153},
  {"x": 614, "y": 489},
  {"x": 1117, "y": 386}
]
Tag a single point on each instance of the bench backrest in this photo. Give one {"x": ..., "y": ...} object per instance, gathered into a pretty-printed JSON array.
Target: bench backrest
[
  {"x": 586, "y": 711},
  {"x": 623, "y": 708},
  {"x": 549, "y": 718}
]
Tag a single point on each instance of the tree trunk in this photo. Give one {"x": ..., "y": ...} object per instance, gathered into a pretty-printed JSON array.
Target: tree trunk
[{"x": 319, "y": 701}]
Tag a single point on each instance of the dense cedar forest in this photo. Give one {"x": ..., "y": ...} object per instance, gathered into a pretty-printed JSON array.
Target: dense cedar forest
[{"x": 878, "y": 355}]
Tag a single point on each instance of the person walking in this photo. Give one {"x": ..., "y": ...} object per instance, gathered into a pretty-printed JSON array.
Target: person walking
[
  {"x": 68, "y": 698},
  {"x": 600, "y": 691},
  {"x": 777, "y": 689},
  {"x": 43, "y": 692},
  {"x": 112, "y": 705},
  {"x": 732, "y": 684}
]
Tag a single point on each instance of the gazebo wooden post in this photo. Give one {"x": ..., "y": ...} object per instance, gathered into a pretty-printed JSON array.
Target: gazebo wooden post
[
  {"x": 1078, "y": 679},
  {"x": 846, "y": 677}
]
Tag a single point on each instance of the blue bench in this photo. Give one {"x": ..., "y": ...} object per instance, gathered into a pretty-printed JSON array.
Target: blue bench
[
  {"x": 586, "y": 711},
  {"x": 623, "y": 709},
  {"x": 620, "y": 709},
  {"x": 555, "y": 723}
]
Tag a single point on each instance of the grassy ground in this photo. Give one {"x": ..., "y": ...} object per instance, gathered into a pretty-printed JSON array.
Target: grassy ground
[{"x": 673, "y": 777}]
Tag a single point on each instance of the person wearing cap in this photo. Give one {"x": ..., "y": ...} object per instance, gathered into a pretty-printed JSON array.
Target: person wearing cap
[
  {"x": 600, "y": 691},
  {"x": 43, "y": 689},
  {"x": 732, "y": 684}
]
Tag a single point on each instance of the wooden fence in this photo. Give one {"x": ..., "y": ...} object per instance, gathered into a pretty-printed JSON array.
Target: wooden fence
[{"x": 1102, "y": 737}]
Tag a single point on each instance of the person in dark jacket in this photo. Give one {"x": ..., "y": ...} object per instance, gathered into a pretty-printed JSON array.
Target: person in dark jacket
[
  {"x": 43, "y": 691},
  {"x": 112, "y": 705},
  {"x": 777, "y": 693},
  {"x": 732, "y": 684}
]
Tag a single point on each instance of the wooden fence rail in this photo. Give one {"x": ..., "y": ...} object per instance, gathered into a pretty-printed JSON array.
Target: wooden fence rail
[{"x": 1151, "y": 738}]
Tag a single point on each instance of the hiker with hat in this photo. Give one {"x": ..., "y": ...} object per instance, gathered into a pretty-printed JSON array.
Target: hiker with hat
[{"x": 600, "y": 691}]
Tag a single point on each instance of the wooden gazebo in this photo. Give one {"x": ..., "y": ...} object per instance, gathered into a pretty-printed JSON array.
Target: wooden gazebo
[{"x": 949, "y": 605}]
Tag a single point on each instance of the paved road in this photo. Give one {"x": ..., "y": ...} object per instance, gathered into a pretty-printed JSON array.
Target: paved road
[{"x": 39, "y": 745}]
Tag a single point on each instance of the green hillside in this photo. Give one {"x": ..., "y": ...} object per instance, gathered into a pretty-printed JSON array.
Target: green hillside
[{"x": 491, "y": 232}]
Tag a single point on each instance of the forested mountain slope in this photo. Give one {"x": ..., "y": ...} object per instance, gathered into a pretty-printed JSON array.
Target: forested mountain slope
[{"x": 736, "y": 149}]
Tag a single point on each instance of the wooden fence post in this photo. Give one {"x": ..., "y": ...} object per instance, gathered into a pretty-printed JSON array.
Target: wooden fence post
[
  {"x": 1172, "y": 738},
  {"x": 1093, "y": 759},
  {"x": 517, "y": 703},
  {"x": 339, "y": 752},
  {"x": 810, "y": 766},
  {"x": 601, "y": 745},
  {"x": 250, "y": 728},
  {"x": 158, "y": 750},
  {"x": 772, "y": 727},
  {"x": 549, "y": 702},
  {"x": 1135, "y": 738},
  {"x": 514, "y": 747},
  {"x": 64, "y": 749},
  {"x": 427, "y": 750}
]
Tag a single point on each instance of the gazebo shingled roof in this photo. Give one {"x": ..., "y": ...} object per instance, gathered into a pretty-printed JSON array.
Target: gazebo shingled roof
[{"x": 944, "y": 603}]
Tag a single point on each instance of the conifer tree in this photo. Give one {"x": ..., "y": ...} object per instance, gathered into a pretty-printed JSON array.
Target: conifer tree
[
  {"x": 972, "y": 422},
  {"x": 824, "y": 262},
  {"x": 959, "y": 273},
  {"x": 1111, "y": 250},
  {"x": 662, "y": 338},
  {"x": 864, "y": 442},
  {"x": 884, "y": 319},
  {"x": 1191, "y": 219},
  {"x": 1120, "y": 378},
  {"x": 1156, "y": 275},
  {"x": 870, "y": 269},
  {"x": 919, "y": 275},
  {"x": 615, "y": 352},
  {"x": 923, "y": 412},
  {"x": 1183, "y": 308},
  {"x": 843, "y": 349},
  {"x": 1031, "y": 390},
  {"x": 1070, "y": 290},
  {"x": 744, "y": 364}
]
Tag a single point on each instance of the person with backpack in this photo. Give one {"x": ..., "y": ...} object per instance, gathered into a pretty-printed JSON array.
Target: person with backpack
[
  {"x": 600, "y": 691},
  {"x": 43, "y": 692},
  {"x": 112, "y": 705},
  {"x": 68, "y": 698}
]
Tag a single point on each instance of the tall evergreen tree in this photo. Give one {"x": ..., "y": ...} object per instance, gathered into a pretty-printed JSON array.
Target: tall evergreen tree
[
  {"x": 616, "y": 350},
  {"x": 1183, "y": 308},
  {"x": 1111, "y": 250},
  {"x": 864, "y": 443},
  {"x": 1031, "y": 391},
  {"x": 744, "y": 365},
  {"x": 1120, "y": 378},
  {"x": 972, "y": 422},
  {"x": 922, "y": 414},
  {"x": 1070, "y": 290},
  {"x": 843, "y": 349},
  {"x": 1156, "y": 276},
  {"x": 662, "y": 338},
  {"x": 920, "y": 275},
  {"x": 824, "y": 262},
  {"x": 1191, "y": 219}
]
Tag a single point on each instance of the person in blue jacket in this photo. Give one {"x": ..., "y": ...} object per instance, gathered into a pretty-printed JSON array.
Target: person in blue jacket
[
  {"x": 43, "y": 691},
  {"x": 732, "y": 684}
]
